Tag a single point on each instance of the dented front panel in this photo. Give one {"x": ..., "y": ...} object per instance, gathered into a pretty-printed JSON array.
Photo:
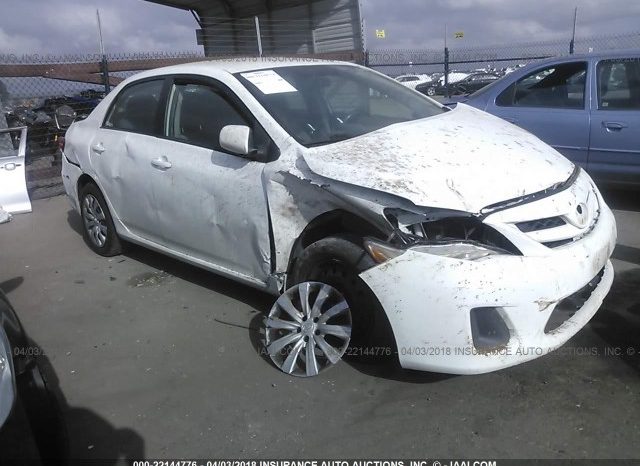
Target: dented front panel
[
  {"x": 211, "y": 205},
  {"x": 464, "y": 159}
]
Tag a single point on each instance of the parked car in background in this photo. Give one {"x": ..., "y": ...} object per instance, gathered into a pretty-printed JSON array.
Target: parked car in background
[
  {"x": 585, "y": 106},
  {"x": 412, "y": 80},
  {"x": 369, "y": 210},
  {"x": 438, "y": 87},
  {"x": 472, "y": 83}
]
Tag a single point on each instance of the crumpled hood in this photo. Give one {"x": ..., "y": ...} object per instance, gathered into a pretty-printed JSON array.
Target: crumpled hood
[{"x": 464, "y": 159}]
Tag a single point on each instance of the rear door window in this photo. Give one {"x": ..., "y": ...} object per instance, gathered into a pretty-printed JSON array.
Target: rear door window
[
  {"x": 136, "y": 109},
  {"x": 619, "y": 84}
]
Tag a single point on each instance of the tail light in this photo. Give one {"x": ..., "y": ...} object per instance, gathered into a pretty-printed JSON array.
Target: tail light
[{"x": 61, "y": 143}]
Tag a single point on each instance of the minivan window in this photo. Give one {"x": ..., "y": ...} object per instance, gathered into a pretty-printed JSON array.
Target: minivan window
[
  {"x": 557, "y": 86},
  {"x": 321, "y": 104},
  {"x": 619, "y": 84},
  {"x": 136, "y": 108}
]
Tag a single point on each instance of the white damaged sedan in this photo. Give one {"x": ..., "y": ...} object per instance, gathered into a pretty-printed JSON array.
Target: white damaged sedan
[{"x": 385, "y": 223}]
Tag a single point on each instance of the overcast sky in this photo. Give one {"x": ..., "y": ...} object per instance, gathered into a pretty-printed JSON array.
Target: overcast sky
[{"x": 69, "y": 26}]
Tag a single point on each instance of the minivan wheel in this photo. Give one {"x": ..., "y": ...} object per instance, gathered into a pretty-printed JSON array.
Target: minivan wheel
[
  {"x": 337, "y": 261},
  {"x": 98, "y": 230}
]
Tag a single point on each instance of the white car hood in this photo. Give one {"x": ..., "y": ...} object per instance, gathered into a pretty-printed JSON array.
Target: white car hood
[{"x": 464, "y": 159}]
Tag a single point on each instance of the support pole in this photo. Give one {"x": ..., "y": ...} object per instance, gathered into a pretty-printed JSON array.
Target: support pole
[
  {"x": 104, "y": 66},
  {"x": 257, "y": 21},
  {"x": 572, "y": 44},
  {"x": 446, "y": 62}
]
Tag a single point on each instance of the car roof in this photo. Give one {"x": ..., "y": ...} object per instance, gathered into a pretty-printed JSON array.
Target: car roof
[
  {"x": 235, "y": 65},
  {"x": 593, "y": 55}
]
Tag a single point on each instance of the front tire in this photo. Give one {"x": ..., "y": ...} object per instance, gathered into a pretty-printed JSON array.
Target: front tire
[
  {"x": 98, "y": 230},
  {"x": 338, "y": 262},
  {"x": 431, "y": 91}
]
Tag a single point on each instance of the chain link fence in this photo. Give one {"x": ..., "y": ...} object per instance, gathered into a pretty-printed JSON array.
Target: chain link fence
[
  {"x": 395, "y": 62},
  {"x": 46, "y": 93}
]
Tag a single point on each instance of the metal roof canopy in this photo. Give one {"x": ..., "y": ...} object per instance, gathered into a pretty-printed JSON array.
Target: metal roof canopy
[{"x": 285, "y": 26}]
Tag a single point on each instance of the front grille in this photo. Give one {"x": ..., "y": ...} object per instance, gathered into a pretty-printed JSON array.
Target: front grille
[
  {"x": 566, "y": 308},
  {"x": 541, "y": 224},
  {"x": 557, "y": 244}
]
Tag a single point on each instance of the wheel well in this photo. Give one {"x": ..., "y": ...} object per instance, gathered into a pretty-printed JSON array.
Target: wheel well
[
  {"x": 330, "y": 224},
  {"x": 83, "y": 181},
  {"x": 352, "y": 228}
]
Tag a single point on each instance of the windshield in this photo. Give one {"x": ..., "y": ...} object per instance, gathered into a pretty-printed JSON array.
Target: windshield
[{"x": 321, "y": 104}]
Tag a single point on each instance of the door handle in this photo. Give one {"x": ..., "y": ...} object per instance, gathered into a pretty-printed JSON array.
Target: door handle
[
  {"x": 10, "y": 166},
  {"x": 612, "y": 126},
  {"x": 161, "y": 163},
  {"x": 98, "y": 148}
]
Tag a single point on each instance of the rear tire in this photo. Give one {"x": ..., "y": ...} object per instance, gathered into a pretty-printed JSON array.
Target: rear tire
[
  {"x": 338, "y": 261},
  {"x": 98, "y": 230}
]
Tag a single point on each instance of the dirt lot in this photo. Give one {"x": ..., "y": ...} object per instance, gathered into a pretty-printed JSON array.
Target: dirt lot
[{"x": 160, "y": 359}]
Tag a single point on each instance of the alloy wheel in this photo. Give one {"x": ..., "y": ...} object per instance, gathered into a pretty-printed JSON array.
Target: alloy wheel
[
  {"x": 94, "y": 220},
  {"x": 308, "y": 329}
]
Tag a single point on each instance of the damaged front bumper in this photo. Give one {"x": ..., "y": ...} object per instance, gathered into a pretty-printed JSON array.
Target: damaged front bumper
[{"x": 470, "y": 317}]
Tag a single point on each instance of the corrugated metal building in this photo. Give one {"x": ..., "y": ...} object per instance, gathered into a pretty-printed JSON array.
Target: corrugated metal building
[{"x": 282, "y": 26}]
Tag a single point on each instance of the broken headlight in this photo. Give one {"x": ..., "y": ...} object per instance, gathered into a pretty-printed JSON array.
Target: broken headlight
[
  {"x": 382, "y": 252},
  {"x": 448, "y": 233}
]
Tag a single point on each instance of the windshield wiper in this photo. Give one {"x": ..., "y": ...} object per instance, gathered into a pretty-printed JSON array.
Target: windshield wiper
[{"x": 334, "y": 138}]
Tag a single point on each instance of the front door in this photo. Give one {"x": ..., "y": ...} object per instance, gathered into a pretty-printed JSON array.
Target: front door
[
  {"x": 211, "y": 204},
  {"x": 614, "y": 153},
  {"x": 551, "y": 103}
]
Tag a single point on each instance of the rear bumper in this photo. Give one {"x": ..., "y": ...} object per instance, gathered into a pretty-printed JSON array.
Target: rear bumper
[
  {"x": 428, "y": 300},
  {"x": 70, "y": 175}
]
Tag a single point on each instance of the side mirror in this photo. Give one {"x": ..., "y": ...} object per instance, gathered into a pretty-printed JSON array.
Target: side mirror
[{"x": 236, "y": 139}]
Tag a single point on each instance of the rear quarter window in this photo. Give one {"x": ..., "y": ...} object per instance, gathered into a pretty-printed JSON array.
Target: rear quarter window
[{"x": 619, "y": 84}]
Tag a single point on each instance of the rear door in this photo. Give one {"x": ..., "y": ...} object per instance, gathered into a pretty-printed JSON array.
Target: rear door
[
  {"x": 123, "y": 152},
  {"x": 551, "y": 102},
  {"x": 614, "y": 153}
]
